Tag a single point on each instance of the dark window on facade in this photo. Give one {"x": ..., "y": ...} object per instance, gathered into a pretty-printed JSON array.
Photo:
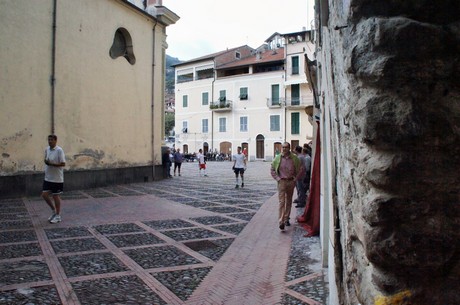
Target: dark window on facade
[
  {"x": 122, "y": 46},
  {"x": 204, "y": 98},
  {"x": 222, "y": 95},
  {"x": 185, "y": 101},
  {"x": 244, "y": 93},
  {"x": 295, "y": 123},
  {"x": 274, "y": 123},
  {"x": 295, "y": 64},
  {"x": 295, "y": 94},
  {"x": 275, "y": 94}
]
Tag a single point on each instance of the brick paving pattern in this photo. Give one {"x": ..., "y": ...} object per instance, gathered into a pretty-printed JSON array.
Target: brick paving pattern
[{"x": 186, "y": 240}]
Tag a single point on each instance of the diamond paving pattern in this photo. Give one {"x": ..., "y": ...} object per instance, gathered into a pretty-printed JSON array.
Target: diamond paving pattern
[{"x": 101, "y": 260}]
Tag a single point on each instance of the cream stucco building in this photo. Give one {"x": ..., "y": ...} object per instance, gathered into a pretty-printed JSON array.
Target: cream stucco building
[
  {"x": 91, "y": 72},
  {"x": 254, "y": 98}
]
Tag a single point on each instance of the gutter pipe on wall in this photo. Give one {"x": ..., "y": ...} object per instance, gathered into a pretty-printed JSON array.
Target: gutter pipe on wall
[
  {"x": 212, "y": 112},
  {"x": 53, "y": 67},
  {"x": 153, "y": 99},
  {"x": 285, "y": 97}
]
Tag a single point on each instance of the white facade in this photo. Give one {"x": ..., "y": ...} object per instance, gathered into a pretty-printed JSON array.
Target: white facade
[{"x": 252, "y": 99}]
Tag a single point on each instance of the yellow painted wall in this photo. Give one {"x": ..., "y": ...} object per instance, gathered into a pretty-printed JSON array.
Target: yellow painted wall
[
  {"x": 103, "y": 106},
  {"x": 25, "y": 61}
]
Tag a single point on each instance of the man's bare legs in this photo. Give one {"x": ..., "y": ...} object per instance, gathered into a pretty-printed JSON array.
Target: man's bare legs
[
  {"x": 46, "y": 197},
  {"x": 55, "y": 207}
]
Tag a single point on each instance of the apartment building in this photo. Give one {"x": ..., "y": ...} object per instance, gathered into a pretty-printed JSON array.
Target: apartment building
[{"x": 254, "y": 98}]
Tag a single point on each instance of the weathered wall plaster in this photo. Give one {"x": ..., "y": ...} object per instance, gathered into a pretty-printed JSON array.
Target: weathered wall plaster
[{"x": 392, "y": 100}]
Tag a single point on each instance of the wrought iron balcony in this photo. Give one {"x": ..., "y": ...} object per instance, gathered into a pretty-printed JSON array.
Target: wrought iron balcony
[
  {"x": 221, "y": 105},
  {"x": 299, "y": 102},
  {"x": 275, "y": 102}
]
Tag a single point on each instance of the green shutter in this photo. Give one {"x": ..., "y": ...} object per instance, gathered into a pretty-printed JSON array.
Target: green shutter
[
  {"x": 275, "y": 94},
  {"x": 295, "y": 65},
  {"x": 295, "y": 123},
  {"x": 295, "y": 94},
  {"x": 274, "y": 123},
  {"x": 205, "y": 98},
  {"x": 185, "y": 101}
]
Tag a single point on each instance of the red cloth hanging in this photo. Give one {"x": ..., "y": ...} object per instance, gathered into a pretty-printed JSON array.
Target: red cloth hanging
[{"x": 311, "y": 215}]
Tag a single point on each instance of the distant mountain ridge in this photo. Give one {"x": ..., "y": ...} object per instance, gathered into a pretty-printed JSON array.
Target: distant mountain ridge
[{"x": 169, "y": 80}]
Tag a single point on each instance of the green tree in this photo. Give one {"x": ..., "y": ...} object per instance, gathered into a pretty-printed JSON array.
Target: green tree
[{"x": 169, "y": 122}]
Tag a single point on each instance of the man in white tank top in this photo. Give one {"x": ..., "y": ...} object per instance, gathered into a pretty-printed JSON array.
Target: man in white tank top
[
  {"x": 53, "y": 183},
  {"x": 239, "y": 166}
]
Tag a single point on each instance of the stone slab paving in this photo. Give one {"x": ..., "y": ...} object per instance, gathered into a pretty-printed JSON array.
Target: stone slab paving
[{"x": 186, "y": 240}]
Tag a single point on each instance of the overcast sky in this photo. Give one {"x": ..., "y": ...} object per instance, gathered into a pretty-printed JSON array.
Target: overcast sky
[{"x": 208, "y": 26}]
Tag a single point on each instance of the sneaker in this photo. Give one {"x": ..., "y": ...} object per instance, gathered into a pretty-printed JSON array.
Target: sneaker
[
  {"x": 288, "y": 223},
  {"x": 296, "y": 201},
  {"x": 56, "y": 219},
  {"x": 237, "y": 186},
  {"x": 282, "y": 226},
  {"x": 242, "y": 184},
  {"x": 52, "y": 216}
]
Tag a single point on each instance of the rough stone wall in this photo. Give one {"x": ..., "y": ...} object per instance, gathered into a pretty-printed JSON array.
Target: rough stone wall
[{"x": 390, "y": 75}]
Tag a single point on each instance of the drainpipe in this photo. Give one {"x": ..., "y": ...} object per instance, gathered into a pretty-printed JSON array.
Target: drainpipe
[
  {"x": 53, "y": 68},
  {"x": 285, "y": 93},
  {"x": 153, "y": 99},
  {"x": 212, "y": 99},
  {"x": 285, "y": 121}
]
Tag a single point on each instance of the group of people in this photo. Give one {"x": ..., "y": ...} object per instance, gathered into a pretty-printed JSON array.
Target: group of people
[
  {"x": 291, "y": 170},
  {"x": 170, "y": 157},
  {"x": 176, "y": 157}
]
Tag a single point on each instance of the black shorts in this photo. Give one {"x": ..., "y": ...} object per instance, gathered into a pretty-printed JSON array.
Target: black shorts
[
  {"x": 239, "y": 170},
  {"x": 53, "y": 187}
]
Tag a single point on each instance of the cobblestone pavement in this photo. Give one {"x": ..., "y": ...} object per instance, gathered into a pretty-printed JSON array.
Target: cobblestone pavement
[{"x": 185, "y": 240}]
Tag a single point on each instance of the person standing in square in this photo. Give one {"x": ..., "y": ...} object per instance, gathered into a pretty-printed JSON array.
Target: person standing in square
[
  {"x": 53, "y": 184},
  {"x": 178, "y": 159},
  {"x": 285, "y": 169},
  {"x": 201, "y": 162},
  {"x": 239, "y": 166}
]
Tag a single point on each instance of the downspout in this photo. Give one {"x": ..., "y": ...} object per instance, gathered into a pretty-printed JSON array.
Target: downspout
[
  {"x": 53, "y": 68},
  {"x": 153, "y": 99},
  {"x": 212, "y": 99},
  {"x": 285, "y": 93}
]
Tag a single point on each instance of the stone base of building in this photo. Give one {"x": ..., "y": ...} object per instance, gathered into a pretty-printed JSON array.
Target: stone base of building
[{"x": 31, "y": 184}]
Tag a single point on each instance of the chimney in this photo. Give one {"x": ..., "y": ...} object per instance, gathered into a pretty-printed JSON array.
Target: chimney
[
  {"x": 151, "y": 6},
  {"x": 154, "y": 2}
]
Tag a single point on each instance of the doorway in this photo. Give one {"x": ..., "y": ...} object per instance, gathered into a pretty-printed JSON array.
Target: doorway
[
  {"x": 245, "y": 148},
  {"x": 277, "y": 148},
  {"x": 260, "y": 144}
]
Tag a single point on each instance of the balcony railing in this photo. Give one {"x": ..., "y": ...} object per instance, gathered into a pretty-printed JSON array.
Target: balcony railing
[
  {"x": 221, "y": 106},
  {"x": 299, "y": 102},
  {"x": 275, "y": 102}
]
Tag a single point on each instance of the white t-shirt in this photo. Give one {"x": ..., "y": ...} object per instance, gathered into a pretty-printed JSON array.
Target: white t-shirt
[
  {"x": 239, "y": 160},
  {"x": 200, "y": 158},
  {"x": 54, "y": 173}
]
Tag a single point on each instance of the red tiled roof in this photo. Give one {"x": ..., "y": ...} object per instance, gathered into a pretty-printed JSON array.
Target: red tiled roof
[
  {"x": 264, "y": 57},
  {"x": 206, "y": 57}
]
